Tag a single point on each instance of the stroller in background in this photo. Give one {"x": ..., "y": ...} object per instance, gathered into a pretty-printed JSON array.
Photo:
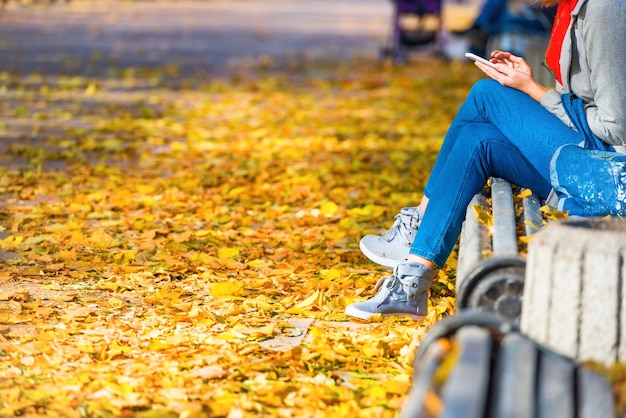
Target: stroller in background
[{"x": 416, "y": 24}]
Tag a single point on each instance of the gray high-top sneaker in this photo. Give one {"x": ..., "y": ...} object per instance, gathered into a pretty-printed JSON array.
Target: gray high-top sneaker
[
  {"x": 405, "y": 292},
  {"x": 393, "y": 247}
]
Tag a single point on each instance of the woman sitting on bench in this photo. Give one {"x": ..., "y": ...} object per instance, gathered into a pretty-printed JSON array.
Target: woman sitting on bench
[{"x": 508, "y": 127}]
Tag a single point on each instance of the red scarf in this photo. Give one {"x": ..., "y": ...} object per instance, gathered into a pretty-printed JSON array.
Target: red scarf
[{"x": 562, "y": 21}]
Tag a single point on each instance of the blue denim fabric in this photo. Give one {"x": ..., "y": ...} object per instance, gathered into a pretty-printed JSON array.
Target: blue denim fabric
[
  {"x": 589, "y": 182},
  {"x": 498, "y": 132}
]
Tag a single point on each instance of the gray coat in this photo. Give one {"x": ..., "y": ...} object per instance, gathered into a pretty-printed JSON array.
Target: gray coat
[{"x": 593, "y": 66}]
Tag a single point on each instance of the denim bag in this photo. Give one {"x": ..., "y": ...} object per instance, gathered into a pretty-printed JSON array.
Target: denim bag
[{"x": 589, "y": 179}]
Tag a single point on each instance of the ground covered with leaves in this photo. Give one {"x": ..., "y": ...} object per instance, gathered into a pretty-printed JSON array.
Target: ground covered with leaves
[{"x": 187, "y": 247}]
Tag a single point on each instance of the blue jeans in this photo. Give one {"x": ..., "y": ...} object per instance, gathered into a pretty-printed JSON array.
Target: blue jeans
[{"x": 498, "y": 132}]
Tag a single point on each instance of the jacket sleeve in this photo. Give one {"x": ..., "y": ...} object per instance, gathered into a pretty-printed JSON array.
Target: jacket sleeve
[{"x": 604, "y": 36}]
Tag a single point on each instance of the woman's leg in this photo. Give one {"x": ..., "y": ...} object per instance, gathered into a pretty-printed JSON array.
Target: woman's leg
[
  {"x": 524, "y": 122},
  {"x": 481, "y": 152},
  {"x": 498, "y": 132},
  {"x": 521, "y": 121},
  {"x": 529, "y": 126}
]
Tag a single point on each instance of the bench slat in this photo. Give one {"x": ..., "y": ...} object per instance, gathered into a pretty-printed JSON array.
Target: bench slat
[
  {"x": 595, "y": 398},
  {"x": 504, "y": 233},
  {"x": 474, "y": 239},
  {"x": 533, "y": 219},
  {"x": 514, "y": 381},
  {"x": 460, "y": 398},
  {"x": 555, "y": 386}
]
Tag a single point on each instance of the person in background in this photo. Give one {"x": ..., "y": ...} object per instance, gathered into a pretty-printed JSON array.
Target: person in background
[
  {"x": 497, "y": 16},
  {"x": 509, "y": 126}
]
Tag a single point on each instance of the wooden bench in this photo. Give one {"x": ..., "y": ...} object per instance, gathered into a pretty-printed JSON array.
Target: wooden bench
[
  {"x": 518, "y": 342},
  {"x": 475, "y": 365},
  {"x": 491, "y": 271}
]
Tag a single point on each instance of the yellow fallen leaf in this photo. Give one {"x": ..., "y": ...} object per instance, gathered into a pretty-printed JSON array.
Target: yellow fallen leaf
[
  {"x": 398, "y": 385},
  {"x": 433, "y": 404},
  {"x": 228, "y": 252},
  {"x": 531, "y": 224},
  {"x": 66, "y": 255},
  {"x": 157, "y": 345},
  {"x": 101, "y": 239},
  {"x": 10, "y": 241},
  {"x": 146, "y": 188},
  {"x": 329, "y": 208},
  {"x": 204, "y": 233},
  {"x": 236, "y": 191},
  {"x": 308, "y": 301},
  {"x": 348, "y": 224},
  {"x": 91, "y": 89},
  {"x": 258, "y": 264},
  {"x": 484, "y": 216},
  {"x": 124, "y": 256},
  {"x": 178, "y": 146},
  {"x": 377, "y": 392},
  {"x": 330, "y": 274},
  {"x": 226, "y": 289},
  {"x": 334, "y": 235},
  {"x": 115, "y": 302}
]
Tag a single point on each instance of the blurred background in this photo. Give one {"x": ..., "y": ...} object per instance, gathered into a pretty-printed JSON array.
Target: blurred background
[{"x": 91, "y": 37}]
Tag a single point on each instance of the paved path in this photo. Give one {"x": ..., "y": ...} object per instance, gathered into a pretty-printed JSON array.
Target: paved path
[{"x": 86, "y": 37}]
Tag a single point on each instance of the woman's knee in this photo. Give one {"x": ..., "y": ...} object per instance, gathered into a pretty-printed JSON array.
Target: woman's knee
[{"x": 484, "y": 87}]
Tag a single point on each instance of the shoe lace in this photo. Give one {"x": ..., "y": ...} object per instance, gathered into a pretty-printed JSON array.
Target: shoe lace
[
  {"x": 398, "y": 227},
  {"x": 381, "y": 282}
]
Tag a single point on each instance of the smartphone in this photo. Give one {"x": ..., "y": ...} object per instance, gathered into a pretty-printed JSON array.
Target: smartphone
[{"x": 475, "y": 57}]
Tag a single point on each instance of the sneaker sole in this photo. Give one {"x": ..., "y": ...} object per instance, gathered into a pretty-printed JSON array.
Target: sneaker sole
[
  {"x": 357, "y": 313},
  {"x": 385, "y": 262}
]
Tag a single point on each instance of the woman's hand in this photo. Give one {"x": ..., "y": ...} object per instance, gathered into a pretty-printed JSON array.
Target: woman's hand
[{"x": 513, "y": 71}]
